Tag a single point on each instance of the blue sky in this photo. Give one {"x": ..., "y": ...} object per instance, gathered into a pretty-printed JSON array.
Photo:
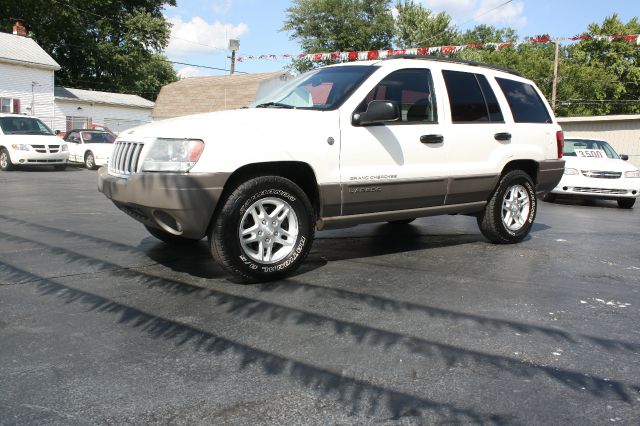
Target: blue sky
[{"x": 201, "y": 28}]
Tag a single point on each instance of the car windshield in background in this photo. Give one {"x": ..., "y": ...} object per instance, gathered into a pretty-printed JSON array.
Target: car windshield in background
[
  {"x": 321, "y": 89},
  {"x": 20, "y": 125},
  {"x": 97, "y": 137},
  {"x": 577, "y": 148}
]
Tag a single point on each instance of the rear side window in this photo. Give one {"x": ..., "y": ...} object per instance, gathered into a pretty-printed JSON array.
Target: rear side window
[
  {"x": 525, "y": 103},
  {"x": 471, "y": 98}
]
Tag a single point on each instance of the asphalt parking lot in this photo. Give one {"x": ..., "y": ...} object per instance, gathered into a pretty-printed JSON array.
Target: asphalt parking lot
[{"x": 419, "y": 324}]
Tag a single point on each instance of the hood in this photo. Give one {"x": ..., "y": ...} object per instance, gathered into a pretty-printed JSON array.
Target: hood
[
  {"x": 32, "y": 139},
  {"x": 223, "y": 123},
  {"x": 603, "y": 164}
]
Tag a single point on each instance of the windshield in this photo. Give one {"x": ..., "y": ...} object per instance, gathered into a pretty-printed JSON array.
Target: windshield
[
  {"x": 97, "y": 137},
  {"x": 575, "y": 147},
  {"x": 320, "y": 89},
  {"x": 20, "y": 125}
]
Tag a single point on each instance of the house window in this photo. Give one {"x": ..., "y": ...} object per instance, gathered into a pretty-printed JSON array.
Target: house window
[
  {"x": 10, "y": 105},
  {"x": 78, "y": 123}
]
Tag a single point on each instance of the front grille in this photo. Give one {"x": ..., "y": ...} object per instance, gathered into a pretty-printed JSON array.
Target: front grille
[
  {"x": 125, "y": 158},
  {"x": 40, "y": 148},
  {"x": 599, "y": 174},
  {"x": 601, "y": 190},
  {"x": 54, "y": 148}
]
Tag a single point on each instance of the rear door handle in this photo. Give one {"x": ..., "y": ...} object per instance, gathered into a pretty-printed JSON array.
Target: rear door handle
[
  {"x": 431, "y": 138},
  {"x": 502, "y": 136}
]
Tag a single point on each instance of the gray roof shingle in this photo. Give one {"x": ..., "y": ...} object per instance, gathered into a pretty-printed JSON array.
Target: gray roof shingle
[
  {"x": 97, "y": 97},
  {"x": 24, "y": 51}
]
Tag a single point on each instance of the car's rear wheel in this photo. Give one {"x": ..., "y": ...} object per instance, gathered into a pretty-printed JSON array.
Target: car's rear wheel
[
  {"x": 89, "y": 160},
  {"x": 5, "y": 160},
  {"x": 626, "y": 203},
  {"x": 170, "y": 239},
  {"x": 264, "y": 229},
  {"x": 511, "y": 210}
]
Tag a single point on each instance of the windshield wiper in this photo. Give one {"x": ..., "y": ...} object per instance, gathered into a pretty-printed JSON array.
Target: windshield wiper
[{"x": 275, "y": 104}]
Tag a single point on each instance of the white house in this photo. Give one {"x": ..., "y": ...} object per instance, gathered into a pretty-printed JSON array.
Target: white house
[
  {"x": 27, "y": 87},
  {"x": 26, "y": 76}
]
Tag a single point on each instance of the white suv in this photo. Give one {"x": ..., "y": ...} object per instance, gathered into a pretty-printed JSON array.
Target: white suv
[
  {"x": 387, "y": 140},
  {"x": 27, "y": 141}
]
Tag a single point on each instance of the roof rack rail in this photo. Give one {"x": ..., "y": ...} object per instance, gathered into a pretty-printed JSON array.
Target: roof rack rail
[{"x": 453, "y": 60}]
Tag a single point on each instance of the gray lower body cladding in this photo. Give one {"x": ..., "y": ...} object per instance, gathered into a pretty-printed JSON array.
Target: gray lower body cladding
[
  {"x": 549, "y": 174},
  {"x": 180, "y": 204}
]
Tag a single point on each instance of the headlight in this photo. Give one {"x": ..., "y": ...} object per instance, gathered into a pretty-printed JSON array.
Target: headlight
[
  {"x": 65, "y": 147},
  {"x": 571, "y": 171},
  {"x": 21, "y": 147},
  {"x": 632, "y": 174},
  {"x": 172, "y": 155}
]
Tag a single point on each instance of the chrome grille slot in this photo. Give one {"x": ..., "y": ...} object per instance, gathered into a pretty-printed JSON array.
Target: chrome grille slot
[
  {"x": 40, "y": 148},
  {"x": 599, "y": 174},
  {"x": 125, "y": 158},
  {"x": 601, "y": 190},
  {"x": 54, "y": 148}
]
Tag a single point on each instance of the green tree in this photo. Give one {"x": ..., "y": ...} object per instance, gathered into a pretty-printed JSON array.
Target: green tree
[
  {"x": 417, "y": 26},
  {"x": 488, "y": 34},
  {"x": 339, "y": 25},
  {"x": 110, "y": 45}
]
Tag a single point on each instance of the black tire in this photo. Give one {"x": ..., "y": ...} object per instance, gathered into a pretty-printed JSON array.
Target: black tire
[
  {"x": 167, "y": 238},
  {"x": 224, "y": 238},
  {"x": 401, "y": 222},
  {"x": 549, "y": 197},
  {"x": 491, "y": 222},
  {"x": 5, "y": 161},
  {"x": 90, "y": 161},
  {"x": 626, "y": 203},
  {"x": 60, "y": 167}
]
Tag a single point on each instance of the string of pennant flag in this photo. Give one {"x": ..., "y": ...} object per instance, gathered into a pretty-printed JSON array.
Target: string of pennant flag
[{"x": 367, "y": 55}]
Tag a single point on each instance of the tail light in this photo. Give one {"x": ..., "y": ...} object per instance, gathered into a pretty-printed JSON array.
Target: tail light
[{"x": 560, "y": 142}]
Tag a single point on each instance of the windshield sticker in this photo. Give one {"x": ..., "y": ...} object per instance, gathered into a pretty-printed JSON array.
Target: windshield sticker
[{"x": 591, "y": 153}]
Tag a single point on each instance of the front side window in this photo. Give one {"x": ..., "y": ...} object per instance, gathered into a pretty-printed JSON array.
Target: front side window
[
  {"x": 23, "y": 126},
  {"x": 321, "y": 89},
  {"x": 412, "y": 90},
  {"x": 524, "y": 101},
  {"x": 97, "y": 137}
]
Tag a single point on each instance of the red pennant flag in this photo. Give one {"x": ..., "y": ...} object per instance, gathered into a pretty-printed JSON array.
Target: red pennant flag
[
  {"x": 353, "y": 56},
  {"x": 372, "y": 54}
]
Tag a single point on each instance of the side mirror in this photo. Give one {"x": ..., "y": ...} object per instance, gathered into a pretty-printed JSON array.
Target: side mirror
[
  {"x": 377, "y": 112},
  {"x": 75, "y": 139},
  {"x": 624, "y": 157},
  {"x": 57, "y": 132}
]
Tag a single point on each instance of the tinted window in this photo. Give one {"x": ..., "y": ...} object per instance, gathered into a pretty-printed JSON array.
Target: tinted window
[
  {"x": 465, "y": 97},
  {"x": 97, "y": 137},
  {"x": 412, "y": 89},
  {"x": 493, "y": 107},
  {"x": 524, "y": 101},
  {"x": 20, "y": 125}
]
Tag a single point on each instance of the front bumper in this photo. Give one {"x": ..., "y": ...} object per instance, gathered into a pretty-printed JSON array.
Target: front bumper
[
  {"x": 608, "y": 189},
  {"x": 33, "y": 158},
  {"x": 180, "y": 204}
]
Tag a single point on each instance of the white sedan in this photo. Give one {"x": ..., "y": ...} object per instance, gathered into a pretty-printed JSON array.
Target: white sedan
[
  {"x": 594, "y": 170},
  {"x": 90, "y": 147}
]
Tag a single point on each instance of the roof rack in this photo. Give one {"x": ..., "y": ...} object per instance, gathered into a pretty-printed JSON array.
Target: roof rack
[{"x": 453, "y": 60}]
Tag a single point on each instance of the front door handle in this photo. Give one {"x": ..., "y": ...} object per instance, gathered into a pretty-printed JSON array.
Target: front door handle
[
  {"x": 431, "y": 138},
  {"x": 502, "y": 136}
]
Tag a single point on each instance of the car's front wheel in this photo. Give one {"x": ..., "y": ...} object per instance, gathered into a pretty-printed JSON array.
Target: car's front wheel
[
  {"x": 264, "y": 229},
  {"x": 626, "y": 203},
  {"x": 5, "y": 160},
  {"x": 511, "y": 210},
  {"x": 89, "y": 160}
]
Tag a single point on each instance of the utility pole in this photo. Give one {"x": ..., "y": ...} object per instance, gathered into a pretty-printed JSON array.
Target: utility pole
[
  {"x": 555, "y": 77},
  {"x": 234, "y": 45}
]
